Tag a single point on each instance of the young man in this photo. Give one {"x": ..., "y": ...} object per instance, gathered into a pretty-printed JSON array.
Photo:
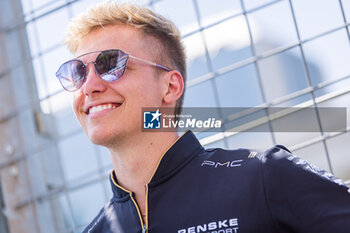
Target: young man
[{"x": 128, "y": 58}]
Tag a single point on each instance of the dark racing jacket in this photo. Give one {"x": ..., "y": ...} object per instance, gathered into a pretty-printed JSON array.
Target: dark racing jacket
[{"x": 230, "y": 191}]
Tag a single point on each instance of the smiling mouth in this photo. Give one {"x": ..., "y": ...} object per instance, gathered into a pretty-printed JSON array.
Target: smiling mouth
[{"x": 99, "y": 108}]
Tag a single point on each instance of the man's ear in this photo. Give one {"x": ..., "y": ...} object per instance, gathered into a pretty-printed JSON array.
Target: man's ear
[{"x": 174, "y": 88}]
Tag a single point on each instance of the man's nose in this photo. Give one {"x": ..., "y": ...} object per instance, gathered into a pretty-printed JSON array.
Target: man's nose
[{"x": 93, "y": 83}]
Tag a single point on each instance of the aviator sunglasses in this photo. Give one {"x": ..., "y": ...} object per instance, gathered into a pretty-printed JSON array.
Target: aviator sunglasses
[{"x": 110, "y": 65}]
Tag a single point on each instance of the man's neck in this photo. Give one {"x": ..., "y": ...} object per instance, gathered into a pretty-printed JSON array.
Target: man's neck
[{"x": 136, "y": 159}]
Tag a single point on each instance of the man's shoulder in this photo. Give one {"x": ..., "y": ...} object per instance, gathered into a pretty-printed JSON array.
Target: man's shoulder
[
  {"x": 247, "y": 159},
  {"x": 240, "y": 153},
  {"x": 276, "y": 152},
  {"x": 281, "y": 164},
  {"x": 274, "y": 160}
]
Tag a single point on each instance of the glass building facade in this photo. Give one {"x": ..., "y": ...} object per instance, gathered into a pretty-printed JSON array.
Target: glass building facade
[{"x": 241, "y": 53}]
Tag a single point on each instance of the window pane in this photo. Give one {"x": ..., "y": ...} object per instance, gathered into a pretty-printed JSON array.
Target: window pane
[
  {"x": 62, "y": 112},
  {"x": 205, "y": 134},
  {"x": 259, "y": 138},
  {"x": 314, "y": 154},
  {"x": 52, "y": 62},
  {"x": 3, "y": 60},
  {"x": 285, "y": 127},
  {"x": 346, "y": 8},
  {"x": 39, "y": 77},
  {"x": 330, "y": 54},
  {"x": 51, "y": 167},
  {"x": 171, "y": 9},
  {"x": 285, "y": 131},
  {"x": 26, "y": 6},
  {"x": 283, "y": 74},
  {"x": 143, "y": 2},
  {"x": 228, "y": 42},
  {"x": 212, "y": 11},
  {"x": 217, "y": 144},
  {"x": 44, "y": 4},
  {"x": 49, "y": 24},
  {"x": 335, "y": 87},
  {"x": 50, "y": 216},
  {"x": 86, "y": 203},
  {"x": 195, "y": 52},
  {"x": 6, "y": 107},
  {"x": 250, "y": 4},
  {"x": 316, "y": 16},
  {"x": 239, "y": 88},
  {"x": 338, "y": 148},
  {"x": 82, "y": 5},
  {"x": 36, "y": 175},
  {"x": 32, "y": 38},
  {"x": 294, "y": 101},
  {"x": 269, "y": 33},
  {"x": 63, "y": 211},
  {"x": 201, "y": 95},
  {"x": 290, "y": 139},
  {"x": 339, "y": 101},
  {"x": 77, "y": 156}
]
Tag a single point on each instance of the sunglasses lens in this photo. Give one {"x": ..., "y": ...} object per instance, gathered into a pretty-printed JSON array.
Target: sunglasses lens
[
  {"x": 110, "y": 65},
  {"x": 71, "y": 75}
]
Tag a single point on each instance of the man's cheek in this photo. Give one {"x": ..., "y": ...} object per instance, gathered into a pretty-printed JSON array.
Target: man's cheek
[{"x": 76, "y": 104}]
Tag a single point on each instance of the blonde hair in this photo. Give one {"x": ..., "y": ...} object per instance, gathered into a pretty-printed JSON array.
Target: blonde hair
[{"x": 151, "y": 24}]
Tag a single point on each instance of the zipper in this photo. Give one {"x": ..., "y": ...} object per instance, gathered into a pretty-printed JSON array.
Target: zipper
[
  {"x": 143, "y": 225},
  {"x": 144, "y": 230},
  {"x": 146, "y": 203}
]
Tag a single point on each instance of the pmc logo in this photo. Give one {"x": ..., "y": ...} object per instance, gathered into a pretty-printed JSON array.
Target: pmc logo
[{"x": 234, "y": 163}]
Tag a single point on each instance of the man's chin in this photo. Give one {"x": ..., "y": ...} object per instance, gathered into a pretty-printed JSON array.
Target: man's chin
[
  {"x": 100, "y": 137},
  {"x": 108, "y": 136},
  {"x": 102, "y": 141}
]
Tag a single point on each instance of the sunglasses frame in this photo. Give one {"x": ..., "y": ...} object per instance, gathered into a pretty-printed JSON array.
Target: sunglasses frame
[{"x": 58, "y": 74}]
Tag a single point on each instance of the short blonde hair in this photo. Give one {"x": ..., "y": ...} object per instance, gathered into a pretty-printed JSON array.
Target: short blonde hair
[{"x": 149, "y": 23}]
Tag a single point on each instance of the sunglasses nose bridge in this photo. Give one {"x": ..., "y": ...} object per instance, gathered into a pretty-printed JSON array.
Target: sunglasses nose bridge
[
  {"x": 92, "y": 81},
  {"x": 87, "y": 68},
  {"x": 89, "y": 63}
]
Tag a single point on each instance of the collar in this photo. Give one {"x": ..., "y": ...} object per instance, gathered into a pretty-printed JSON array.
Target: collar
[{"x": 182, "y": 151}]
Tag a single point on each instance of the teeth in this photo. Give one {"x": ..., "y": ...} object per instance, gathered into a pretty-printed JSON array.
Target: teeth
[{"x": 101, "y": 107}]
